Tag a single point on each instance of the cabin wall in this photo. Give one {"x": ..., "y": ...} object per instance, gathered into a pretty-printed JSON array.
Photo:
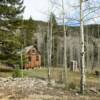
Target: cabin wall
[{"x": 34, "y": 60}]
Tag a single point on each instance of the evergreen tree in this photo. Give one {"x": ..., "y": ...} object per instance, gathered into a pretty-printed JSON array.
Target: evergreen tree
[
  {"x": 29, "y": 27},
  {"x": 10, "y": 14},
  {"x": 10, "y": 11}
]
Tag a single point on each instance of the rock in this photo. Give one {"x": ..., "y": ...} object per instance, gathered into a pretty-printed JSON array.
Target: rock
[
  {"x": 28, "y": 86},
  {"x": 99, "y": 89},
  {"x": 93, "y": 89},
  {"x": 53, "y": 83},
  {"x": 76, "y": 94}
]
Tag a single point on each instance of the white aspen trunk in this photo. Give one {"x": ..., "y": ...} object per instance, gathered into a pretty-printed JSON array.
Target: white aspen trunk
[
  {"x": 50, "y": 62},
  {"x": 65, "y": 49},
  {"x": 53, "y": 51},
  {"x": 58, "y": 54},
  {"x": 44, "y": 46},
  {"x": 48, "y": 53},
  {"x": 49, "y": 46},
  {"x": 82, "y": 81}
]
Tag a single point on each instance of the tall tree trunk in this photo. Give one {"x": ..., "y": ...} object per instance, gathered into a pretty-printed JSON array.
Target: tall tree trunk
[
  {"x": 57, "y": 54},
  {"x": 82, "y": 81},
  {"x": 49, "y": 52},
  {"x": 65, "y": 49},
  {"x": 22, "y": 60},
  {"x": 49, "y": 46}
]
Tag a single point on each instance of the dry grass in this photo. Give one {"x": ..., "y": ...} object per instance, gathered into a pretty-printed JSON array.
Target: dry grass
[
  {"x": 72, "y": 77},
  {"x": 56, "y": 74}
]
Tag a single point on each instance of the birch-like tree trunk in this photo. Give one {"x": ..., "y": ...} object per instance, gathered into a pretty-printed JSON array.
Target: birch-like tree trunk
[
  {"x": 82, "y": 81},
  {"x": 65, "y": 49},
  {"x": 49, "y": 52},
  {"x": 49, "y": 45}
]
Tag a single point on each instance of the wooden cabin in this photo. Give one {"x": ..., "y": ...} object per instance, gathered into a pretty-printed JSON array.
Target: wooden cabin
[{"x": 33, "y": 58}]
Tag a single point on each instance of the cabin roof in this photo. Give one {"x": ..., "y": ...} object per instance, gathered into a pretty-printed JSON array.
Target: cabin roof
[{"x": 27, "y": 49}]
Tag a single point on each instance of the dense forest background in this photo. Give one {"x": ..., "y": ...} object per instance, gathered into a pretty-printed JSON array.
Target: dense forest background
[{"x": 31, "y": 32}]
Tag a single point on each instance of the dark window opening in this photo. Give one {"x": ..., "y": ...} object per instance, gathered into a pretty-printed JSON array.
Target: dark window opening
[
  {"x": 29, "y": 58},
  {"x": 33, "y": 51},
  {"x": 37, "y": 58}
]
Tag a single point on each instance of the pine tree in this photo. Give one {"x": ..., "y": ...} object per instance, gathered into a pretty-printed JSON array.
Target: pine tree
[
  {"x": 10, "y": 11},
  {"x": 28, "y": 28},
  {"x": 10, "y": 14}
]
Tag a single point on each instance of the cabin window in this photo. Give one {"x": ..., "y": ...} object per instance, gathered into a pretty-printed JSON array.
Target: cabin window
[
  {"x": 37, "y": 58},
  {"x": 33, "y": 51},
  {"x": 29, "y": 58}
]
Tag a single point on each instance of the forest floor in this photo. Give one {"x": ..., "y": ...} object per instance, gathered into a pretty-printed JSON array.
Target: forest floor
[
  {"x": 34, "y": 86},
  {"x": 38, "y": 89}
]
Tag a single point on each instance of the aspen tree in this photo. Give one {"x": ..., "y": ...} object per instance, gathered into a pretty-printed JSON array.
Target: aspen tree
[
  {"x": 65, "y": 49},
  {"x": 82, "y": 81}
]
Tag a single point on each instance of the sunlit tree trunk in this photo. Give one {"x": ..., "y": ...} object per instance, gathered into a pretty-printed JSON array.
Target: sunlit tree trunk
[
  {"x": 82, "y": 81},
  {"x": 49, "y": 45},
  {"x": 49, "y": 52},
  {"x": 65, "y": 49}
]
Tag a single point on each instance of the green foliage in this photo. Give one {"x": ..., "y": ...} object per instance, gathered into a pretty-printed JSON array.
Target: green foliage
[
  {"x": 17, "y": 72},
  {"x": 9, "y": 48},
  {"x": 10, "y": 12},
  {"x": 5, "y": 70},
  {"x": 27, "y": 31},
  {"x": 71, "y": 86},
  {"x": 97, "y": 73}
]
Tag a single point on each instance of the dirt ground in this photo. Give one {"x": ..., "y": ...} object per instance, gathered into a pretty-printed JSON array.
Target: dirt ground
[
  {"x": 48, "y": 97},
  {"x": 37, "y": 89}
]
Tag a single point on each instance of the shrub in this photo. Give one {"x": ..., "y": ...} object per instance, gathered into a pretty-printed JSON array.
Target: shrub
[
  {"x": 17, "y": 72},
  {"x": 72, "y": 85},
  {"x": 97, "y": 73}
]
